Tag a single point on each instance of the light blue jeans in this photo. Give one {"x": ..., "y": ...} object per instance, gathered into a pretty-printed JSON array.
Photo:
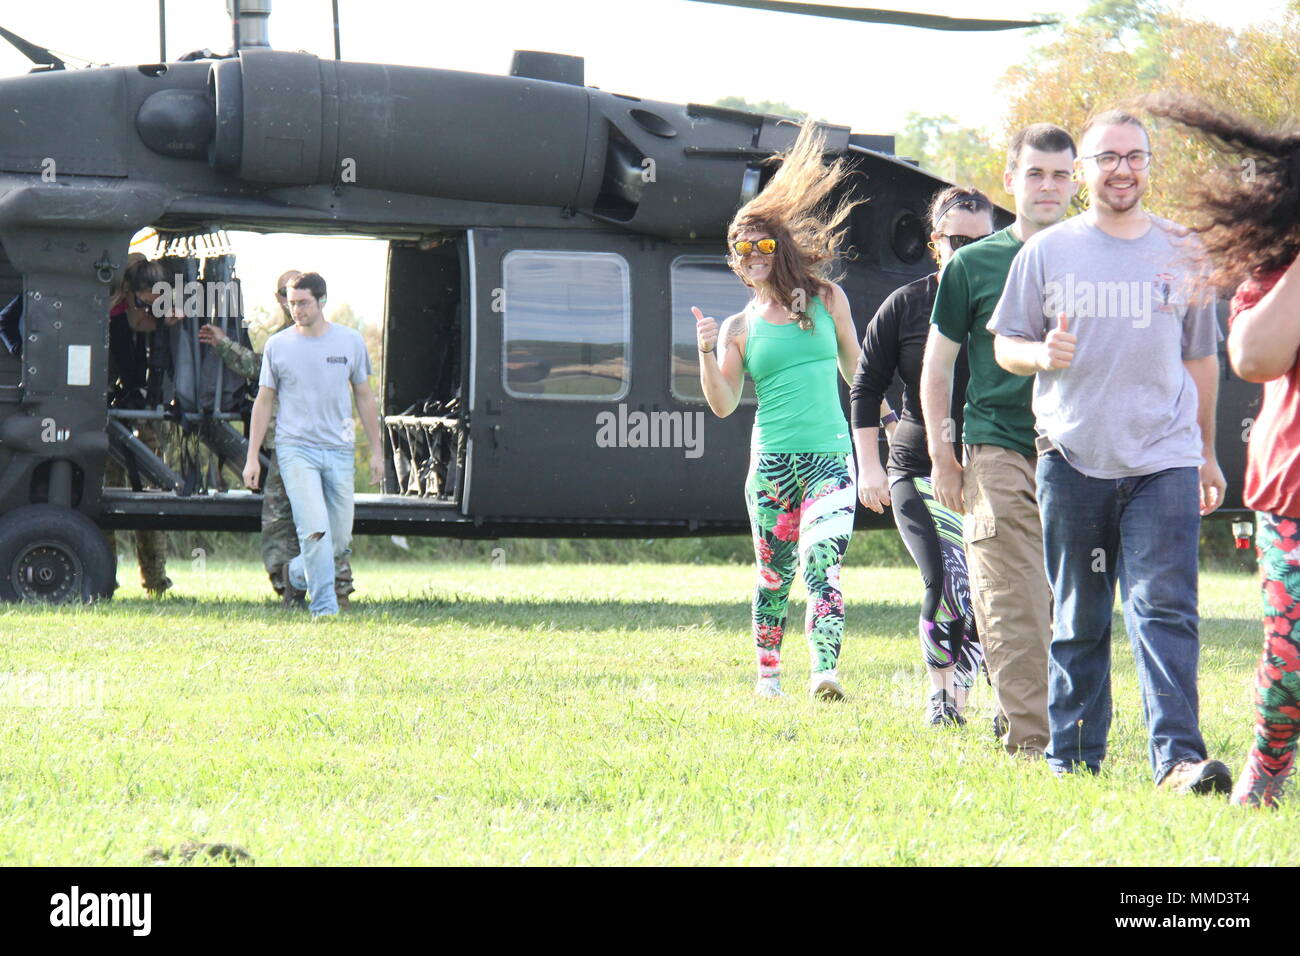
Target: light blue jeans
[{"x": 319, "y": 482}]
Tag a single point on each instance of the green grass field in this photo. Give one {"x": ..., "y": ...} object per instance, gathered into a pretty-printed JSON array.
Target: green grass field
[{"x": 463, "y": 713}]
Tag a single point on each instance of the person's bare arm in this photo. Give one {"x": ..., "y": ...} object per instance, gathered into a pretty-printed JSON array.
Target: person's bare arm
[
  {"x": 722, "y": 361},
  {"x": 1264, "y": 339},
  {"x": 368, "y": 409},
  {"x": 1205, "y": 373},
  {"x": 261, "y": 418},
  {"x": 846, "y": 335},
  {"x": 936, "y": 406}
]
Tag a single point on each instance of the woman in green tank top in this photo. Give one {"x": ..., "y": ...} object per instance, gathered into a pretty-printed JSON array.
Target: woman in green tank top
[{"x": 792, "y": 339}]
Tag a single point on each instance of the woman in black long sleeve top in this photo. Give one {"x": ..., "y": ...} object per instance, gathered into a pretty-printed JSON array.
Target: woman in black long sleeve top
[{"x": 895, "y": 343}]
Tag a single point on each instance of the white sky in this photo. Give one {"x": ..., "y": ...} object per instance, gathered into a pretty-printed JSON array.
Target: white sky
[{"x": 863, "y": 75}]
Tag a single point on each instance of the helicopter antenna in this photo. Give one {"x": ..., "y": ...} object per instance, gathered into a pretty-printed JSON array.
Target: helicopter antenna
[
  {"x": 928, "y": 21},
  {"x": 37, "y": 54},
  {"x": 338, "y": 53},
  {"x": 162, "y": 31}
]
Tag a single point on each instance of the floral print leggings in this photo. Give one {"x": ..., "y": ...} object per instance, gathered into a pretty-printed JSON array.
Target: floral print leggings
[
  {"x": 1277, "y": 680},
  {"x": 800, "y": 507}
]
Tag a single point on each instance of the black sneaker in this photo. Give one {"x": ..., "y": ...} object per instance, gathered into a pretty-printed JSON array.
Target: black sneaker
[
  {"x": 1000, "y": 726},
  {"x": 943, "y": 712}
]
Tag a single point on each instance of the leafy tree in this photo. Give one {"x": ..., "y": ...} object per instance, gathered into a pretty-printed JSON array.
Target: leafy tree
[
  {"x": 950, "y": 150},
  {"x": 762, "y": 106},
  {"x": 1111, "y": 54}
]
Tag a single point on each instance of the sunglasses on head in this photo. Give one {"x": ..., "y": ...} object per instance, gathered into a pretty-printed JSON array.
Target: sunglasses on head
[
  {"x": 958, "y": 241},
  {"x": 744, "y": 247}
]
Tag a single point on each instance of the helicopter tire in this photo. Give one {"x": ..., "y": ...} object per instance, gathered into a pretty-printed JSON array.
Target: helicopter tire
[{"x": 54, "y": 555}]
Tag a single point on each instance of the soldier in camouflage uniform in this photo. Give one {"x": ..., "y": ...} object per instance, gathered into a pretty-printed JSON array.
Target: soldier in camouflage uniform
[
  {"x": 130, "y": 318},
  {"x": 279, "y": 535}
]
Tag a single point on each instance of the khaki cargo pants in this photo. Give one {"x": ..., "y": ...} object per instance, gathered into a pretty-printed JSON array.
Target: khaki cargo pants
[{"x": 1009, "y": 589}]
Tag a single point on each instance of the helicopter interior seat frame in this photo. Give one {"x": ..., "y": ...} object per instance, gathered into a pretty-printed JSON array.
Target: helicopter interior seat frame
[{"x": 423, "y": 361}]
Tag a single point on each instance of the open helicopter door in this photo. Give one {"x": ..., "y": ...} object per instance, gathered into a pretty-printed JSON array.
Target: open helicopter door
[
  {"x": 423, "y": 405},
  {"x": 577, "y": 411}
]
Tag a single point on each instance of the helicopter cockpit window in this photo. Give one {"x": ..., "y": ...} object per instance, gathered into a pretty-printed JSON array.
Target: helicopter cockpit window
[
  {"x": 568, "y": 324},
  {"x": 709, "y": 284}
]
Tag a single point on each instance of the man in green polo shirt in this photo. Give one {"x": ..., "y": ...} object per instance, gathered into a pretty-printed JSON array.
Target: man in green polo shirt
[{"x": 995, "y": 489}]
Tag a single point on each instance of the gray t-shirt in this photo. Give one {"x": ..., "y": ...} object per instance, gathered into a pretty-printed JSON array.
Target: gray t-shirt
[
  {"x": 1126, "y": 406},
  {"x": 312, "y": 377}
]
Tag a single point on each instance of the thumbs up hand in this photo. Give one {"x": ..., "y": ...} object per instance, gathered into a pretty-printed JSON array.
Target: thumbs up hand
[
  {"x": 706, "y": 331},
  {"x": 1058, "y": 347}
]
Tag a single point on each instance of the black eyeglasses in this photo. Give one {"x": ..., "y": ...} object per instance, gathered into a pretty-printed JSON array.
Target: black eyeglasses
[
  {"x": 1109, "y": 162},
  {"x": 958, "y": 241}
]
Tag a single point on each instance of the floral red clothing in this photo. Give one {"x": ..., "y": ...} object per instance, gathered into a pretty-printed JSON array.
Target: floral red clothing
[
  {"x": 1273, "y": 456},
  {"x": 1277, "y": 679}
]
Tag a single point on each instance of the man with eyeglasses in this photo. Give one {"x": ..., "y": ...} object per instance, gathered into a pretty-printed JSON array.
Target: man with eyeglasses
[
  {"x": 279, "y": 536},
  {"x": 1108, "y": 312},
  {"x": 995, "y": 487}
]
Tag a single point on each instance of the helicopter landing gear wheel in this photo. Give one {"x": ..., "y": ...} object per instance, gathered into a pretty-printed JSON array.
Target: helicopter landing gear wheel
[{"x": 54, "y": 555}]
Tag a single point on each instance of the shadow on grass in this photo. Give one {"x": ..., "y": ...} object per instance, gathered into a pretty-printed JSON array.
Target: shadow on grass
[
  {"x": 478, "y": 610},
  {"x": 865, "y": 618}
]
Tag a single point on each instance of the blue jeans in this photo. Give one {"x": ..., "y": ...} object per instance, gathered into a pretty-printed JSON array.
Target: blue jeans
[
  {"x": 319, "y": 482},
  {"x": 1144, "y": 533}
]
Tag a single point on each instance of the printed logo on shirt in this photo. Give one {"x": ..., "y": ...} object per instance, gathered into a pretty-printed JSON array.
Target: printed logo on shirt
[
  {"x": 337, "y": 360},
  {"x": 1164, "y": 286}
]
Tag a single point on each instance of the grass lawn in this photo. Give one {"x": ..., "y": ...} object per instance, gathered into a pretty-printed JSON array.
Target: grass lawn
[{"x": 465, "y": 713}]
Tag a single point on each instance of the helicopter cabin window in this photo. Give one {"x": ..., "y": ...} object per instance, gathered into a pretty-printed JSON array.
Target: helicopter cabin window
[
  {"x": 568, "y": 323},
  {"x": 707, "y": 283}
]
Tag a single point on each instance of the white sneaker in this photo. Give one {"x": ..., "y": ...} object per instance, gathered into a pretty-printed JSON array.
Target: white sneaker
[
  {"x": 825, "y": 685},
  {"x": 768, "y": 687}
]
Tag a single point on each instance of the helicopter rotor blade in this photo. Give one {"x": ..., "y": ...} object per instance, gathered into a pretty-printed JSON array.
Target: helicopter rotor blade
[
  {"x": 37, "y": 54},
  {"x": 928, "y": 21}
]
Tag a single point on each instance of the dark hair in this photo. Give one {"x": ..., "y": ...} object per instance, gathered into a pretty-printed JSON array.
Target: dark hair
[
  {"x": 1114, "y": 118},
  {"x": 1250, "y": 223},
  {"x": 957, "y": 197},
  {"x": 1044, "y": 136},
  {"x": 312, "y": 282},
  {"x": 141, "y": 276},
  {"x": 798, "y": 210}
]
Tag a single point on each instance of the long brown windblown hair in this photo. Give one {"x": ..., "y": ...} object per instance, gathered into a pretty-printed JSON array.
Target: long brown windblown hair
[
  {"x": 1248, "y": 215},
  {"x": 798, "y": 210}
]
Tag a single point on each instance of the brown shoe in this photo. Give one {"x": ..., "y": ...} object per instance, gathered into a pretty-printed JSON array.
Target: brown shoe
[
  {"x": 1206, "y": 776},
  {"x": 344, "y": 603},
  {"x": 157, "y": 588},
  {"x": 290, "y": 597}
]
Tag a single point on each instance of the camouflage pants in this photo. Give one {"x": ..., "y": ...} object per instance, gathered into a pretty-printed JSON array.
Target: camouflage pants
[
  {"x": 150, "y": 546},
  {"x": 280, "y": 536}
]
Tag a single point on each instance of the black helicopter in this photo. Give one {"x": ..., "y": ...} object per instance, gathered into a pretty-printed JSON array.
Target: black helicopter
[{"x": 540, "y": 376}]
